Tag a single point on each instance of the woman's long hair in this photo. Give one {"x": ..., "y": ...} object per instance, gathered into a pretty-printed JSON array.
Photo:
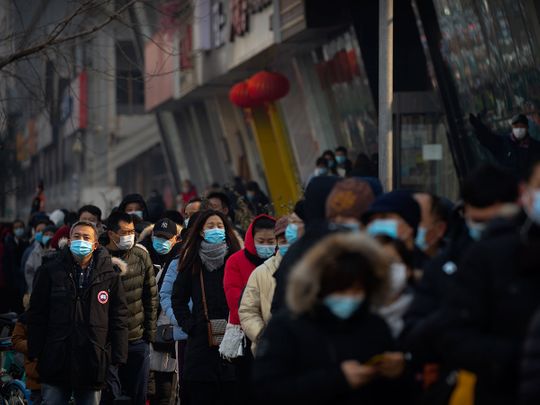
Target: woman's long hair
[{"x": 189, "y": 256}]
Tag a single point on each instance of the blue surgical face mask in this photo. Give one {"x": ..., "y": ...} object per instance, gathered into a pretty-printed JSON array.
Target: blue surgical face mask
[
  {"x": 420, "y": 241},
  {"x": 137, "y": 213},
  {"x": 342, "y": 306},
  {"x": 321, "y": 171},
  {"x": 80, "y": 248},
  {"x": 291, "y": 233},
  {"x": 161, "y": 245},
  {"x": 45, "y": 239},
  {"x": 476, "y": 229},
  {"x": 19, "y": 232},
  {"x": 214, "y": 235},
  {"x": 283, "y": 249},
  {"x": 265, "y": 251},
  {"x": 341, "y": 160},
  {"x": 38, "y": 236},
  {"x": 388, "y": 227}
]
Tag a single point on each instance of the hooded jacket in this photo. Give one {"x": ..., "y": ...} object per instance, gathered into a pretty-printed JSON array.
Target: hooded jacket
[
  {"x": 140, "y": 286},
  {"x": 75, "y": 334},
  {"x": 237, "y": 271},
  {"x": 315, "y": 229},
  {"x": 300, "y": 353},
  {"x": 134, "y": 198}
]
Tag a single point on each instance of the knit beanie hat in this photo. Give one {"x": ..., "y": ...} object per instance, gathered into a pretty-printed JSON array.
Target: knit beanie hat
[
  {"x": 400, "y": 202},
  {"x": 349, "y": 198}
]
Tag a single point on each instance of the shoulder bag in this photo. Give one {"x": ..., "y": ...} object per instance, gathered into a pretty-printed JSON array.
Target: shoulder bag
[{"x": 216, "y": 327}]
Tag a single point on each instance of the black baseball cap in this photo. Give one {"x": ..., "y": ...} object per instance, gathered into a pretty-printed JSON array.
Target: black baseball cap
[{"x": 166, "y": 228}]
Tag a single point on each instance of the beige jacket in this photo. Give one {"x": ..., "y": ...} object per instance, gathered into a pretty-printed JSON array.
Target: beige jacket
[{"x": 256, "y": 301}]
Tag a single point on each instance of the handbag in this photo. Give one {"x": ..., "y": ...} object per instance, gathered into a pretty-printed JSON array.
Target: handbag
[
  {"x": 164, "y": 342},
  {"x": 164, "y": 339},
  {"x": 216, "y": 327}
]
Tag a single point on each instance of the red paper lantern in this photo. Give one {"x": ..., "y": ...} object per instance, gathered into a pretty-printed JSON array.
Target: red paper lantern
[
  {"x": 239, "y": 96},
  {"x": 267, "y": 86}
]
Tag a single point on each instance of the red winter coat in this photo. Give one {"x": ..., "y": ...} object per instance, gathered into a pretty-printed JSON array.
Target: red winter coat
[{"x": 237, "y": 271}]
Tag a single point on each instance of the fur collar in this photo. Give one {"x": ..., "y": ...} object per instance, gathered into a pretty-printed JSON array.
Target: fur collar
[
  {"x": 147, "y": 232},
  {"x": 305, "y": 278},
  {"x": 120, "y": 265}
]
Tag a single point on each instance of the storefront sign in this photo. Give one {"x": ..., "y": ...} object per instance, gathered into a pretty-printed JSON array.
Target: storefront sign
[
  {"x": 241, "y": 10},
  {"x": 219, "y": 21}
]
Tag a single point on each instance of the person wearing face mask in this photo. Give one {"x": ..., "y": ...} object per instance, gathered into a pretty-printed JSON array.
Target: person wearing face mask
[
  {"x": 162, "y": 241},
  {"x": 134, "y": 204},
  {"x": 516, "y": 151},
  {"x": 493, "y": 299},
  {"x": 255, "y": 305},
  {"x": 165, "y": 243},
  {"x": 397, "y": 215},
  {"x": 77, "y": 320},
  {"x": 260, "y": 245},
  {"x": 35, "y": 259},
  {"x": 330, "y": 348},
  {"x": 401, "y": 281},
  {"x": 348, "y": 201},
  {"x": 139, "y": 283},
  {"x": 302, "y": 236},
  {"x": 344, "y": 164},
  {"x": 207, "y": 378},
  {"x": 433, "y": 223},
  {"x": 321, "y": 170},
  {"x": 15, "y": 245}
]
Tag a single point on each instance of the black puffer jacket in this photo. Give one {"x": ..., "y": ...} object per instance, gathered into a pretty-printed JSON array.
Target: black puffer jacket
[
  {"x": 298, "y": 359},
  {"x": 494, "y": 297},
  {"x": 141, "y": 291},
  {"x": 75, "y": 336}
]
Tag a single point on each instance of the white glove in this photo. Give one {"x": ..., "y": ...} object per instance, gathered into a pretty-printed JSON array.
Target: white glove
[{"x": 232, "y": 345}]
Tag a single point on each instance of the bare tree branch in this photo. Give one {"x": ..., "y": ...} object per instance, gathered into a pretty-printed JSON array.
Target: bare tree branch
[{"x": 55, "y": 39}]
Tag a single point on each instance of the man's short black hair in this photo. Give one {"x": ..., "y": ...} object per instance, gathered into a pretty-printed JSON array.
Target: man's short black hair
[
  {"x": 194, "y": 200},
  {"x": 440, "y": 209},
  {"x": 321, "y": 161},
  {"x": 18, "y": 221},
  {"x": 263, "y": 223},
  {"x": 342, "y": 149},
  {"x": 253, "y": 186},
  {"x": 92, "y": 209},
  {"x": 113, "y": 222},
  {"x": 225, "y": 202},
  {"x": 488, "y": 185}
]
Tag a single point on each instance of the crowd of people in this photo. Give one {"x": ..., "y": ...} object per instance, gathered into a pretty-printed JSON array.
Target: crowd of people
[{"x": 356, "y": 296}]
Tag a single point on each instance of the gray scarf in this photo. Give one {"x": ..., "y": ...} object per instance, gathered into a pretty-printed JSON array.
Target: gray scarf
[{"x": 213, "y": 255}]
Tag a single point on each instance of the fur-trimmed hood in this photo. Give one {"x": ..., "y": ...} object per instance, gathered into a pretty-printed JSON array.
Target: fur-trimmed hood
[{"x": 305, "y": 279}]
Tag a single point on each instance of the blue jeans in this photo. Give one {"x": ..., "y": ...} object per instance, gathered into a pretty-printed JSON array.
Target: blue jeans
[
  {"x": 135, "y": 374},
  {"x": 55, "y": 395}
]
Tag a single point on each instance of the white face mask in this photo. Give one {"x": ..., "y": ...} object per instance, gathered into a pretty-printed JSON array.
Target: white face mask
[
  {"x": 398, "y": 278},
  {"x": 126, "y": 242},
  {"x": 519, "y": 133}
]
